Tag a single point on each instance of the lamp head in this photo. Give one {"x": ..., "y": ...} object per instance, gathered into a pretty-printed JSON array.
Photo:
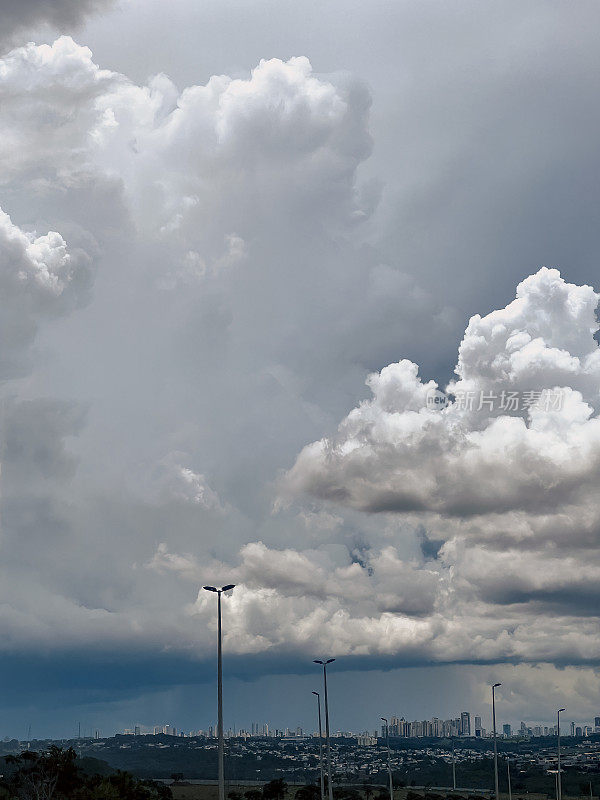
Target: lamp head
[
  {"x": 384, "y": 719},
  {"x": 329, "y": 660},
  {"x": 496, "y": 684},
  {"x": 228, "y": 587},
  {"x": 210, "y": 588},
  {"x": 317, "y": 661},
  {"x": 317, "y": 694},
  {"x": 561, "y": 709}
]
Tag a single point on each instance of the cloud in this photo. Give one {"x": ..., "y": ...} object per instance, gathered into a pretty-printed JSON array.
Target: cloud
[
  {"x": 40, "y": 278},
  {"x": 19, "y": 15},
  {"x": 241, "y": 298},
  {"x": 474, "y": 457}
]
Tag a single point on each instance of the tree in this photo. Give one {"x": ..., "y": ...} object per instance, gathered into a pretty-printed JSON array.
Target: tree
[
  {"x": 347, "y": 793},
  {"x": 42, "y": 776},
  {"x": 308, "y": 792},
  {"x": 274, "y": 790},
  {"x": 55, "y": 775},
  {"x": 253, "y": 794}
]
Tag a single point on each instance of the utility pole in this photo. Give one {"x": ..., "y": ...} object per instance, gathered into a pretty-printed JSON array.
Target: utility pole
[
  {"x": 558, "y": 779},
  {"x": 389, "y": 760},
  {"x": 320, "y": 747},
  {"x": 327, "y": 740},
  {"x": 495, "y": 744},
  {"x": 220, "y": 687},
  {"x": 453, "y": 767}
]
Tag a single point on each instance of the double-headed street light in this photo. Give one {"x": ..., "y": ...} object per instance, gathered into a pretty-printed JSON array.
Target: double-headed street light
[
  {"x": 558, "y": 781},
  {"x": 387, "y": 737},
  {"x": 220, "y": 687},
  {"x": 318, "y": 696},
  {"x": 328, "y": 743},
  {"x": 494, "y": 687}
]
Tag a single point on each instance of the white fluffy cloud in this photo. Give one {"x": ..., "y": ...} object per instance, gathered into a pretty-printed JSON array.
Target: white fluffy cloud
[
  {"x": 40, "y": 277},
  {"x": 512, "y": 491},
  {"x": 478, "y": 455}
]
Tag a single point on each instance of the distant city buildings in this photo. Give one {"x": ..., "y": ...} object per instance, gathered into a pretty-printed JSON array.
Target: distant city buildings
[
  {"x": 365, "y": 740},
  {"x": 463, "y": 726}
]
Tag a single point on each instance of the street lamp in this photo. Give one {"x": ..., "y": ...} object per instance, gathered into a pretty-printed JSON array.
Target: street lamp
[
  {"x": 494, "y": 687},
  {"x": 558, "y": 781},
  {"x": 220, "y": 687},
  {"x": 508, "y": 776},
  {"x": 328, "y": 743},
  {"x": 453, "y": 767},
  {"x": 318, "y": 696},
  {"x": 387, "y": 736}
]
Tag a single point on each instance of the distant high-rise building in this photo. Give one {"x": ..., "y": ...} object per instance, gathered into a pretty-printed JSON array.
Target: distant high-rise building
[
  {"x": 465, "y": 723},
  {"x": 572, "y": 729},
  {"x": 364, "y": 740},
  {"x": 477, "y": 725},
  {"x": 507, "y": 731},
  {"x": 578, "y": 731},
  {"x": 596, "y": 724},
  {"x": 136, "y": 730}
]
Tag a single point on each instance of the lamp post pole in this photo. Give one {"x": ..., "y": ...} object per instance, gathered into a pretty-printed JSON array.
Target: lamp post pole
[
  {"x": 220, "y": 686},
  {"x": 558, "y": 780},
  {"x": 453, "y": 767},
  {"x": 318, "y": 696},
  {"x": 387, "y": 737},
  {"x": 508, "y": 776},
  {"x": 328, "y": 743},
  {"x": 495, "y": 743}
]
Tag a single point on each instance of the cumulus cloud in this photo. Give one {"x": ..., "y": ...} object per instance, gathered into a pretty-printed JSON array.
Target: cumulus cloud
[
  {"x": 40, "y": 278},
  {"x": 240, "y": 302},
  {"x": 478, "y": 455},
  {"x": 510, "y": 490}
]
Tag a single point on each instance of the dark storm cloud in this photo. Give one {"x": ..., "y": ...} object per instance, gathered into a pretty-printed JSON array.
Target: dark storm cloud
[{"x": 19, "y": 15}]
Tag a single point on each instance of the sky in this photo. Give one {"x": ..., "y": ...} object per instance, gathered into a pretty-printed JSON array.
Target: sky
[{"x": 242, "y": 247}]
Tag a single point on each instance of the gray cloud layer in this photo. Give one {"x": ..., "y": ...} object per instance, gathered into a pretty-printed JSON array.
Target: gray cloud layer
[
  {"x": 19, "y": 15},
  {"x": 241, "y": 297}
]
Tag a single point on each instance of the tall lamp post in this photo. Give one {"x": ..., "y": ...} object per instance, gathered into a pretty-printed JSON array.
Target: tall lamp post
[
  {"x": 558, "y": 781},
  {"x": 453, "y": 767},
  {"x": 387, "y": 737},
  {"x": 318, "y": 696},
  {"x": 494, "y": 687},
  {"x": 508, "y": 776},
  {"x": 328, "y": 743},
  {"x": 220, "y": 687}
]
